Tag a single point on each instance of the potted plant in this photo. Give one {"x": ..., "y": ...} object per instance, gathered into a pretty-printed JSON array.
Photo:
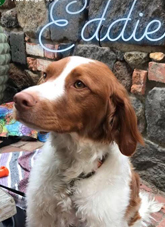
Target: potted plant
[{"x": 4, "y": 62}]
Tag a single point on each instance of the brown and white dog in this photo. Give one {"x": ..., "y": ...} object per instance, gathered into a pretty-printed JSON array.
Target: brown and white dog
[{"x": 83, "y": 176}]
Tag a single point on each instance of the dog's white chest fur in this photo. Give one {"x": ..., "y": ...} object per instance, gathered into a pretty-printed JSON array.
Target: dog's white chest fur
[{"x": 106, "y": 193}]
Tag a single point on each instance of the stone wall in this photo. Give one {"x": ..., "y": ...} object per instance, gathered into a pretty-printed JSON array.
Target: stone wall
[{"x": 140, "y": 66}]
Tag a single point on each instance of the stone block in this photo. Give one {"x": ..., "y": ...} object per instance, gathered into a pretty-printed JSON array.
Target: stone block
[
  {"x": 103, "y": 54},
  {"x": 156, "y": 72},
  {"x": 70, "y": 32},
  {"x": 32, "y": 16},
  {"x": 19, "y": 78},
  {"x": 35, "y": 77},
  {"x": 140, "y": 113},
  {"x": 9, "y": 18},
  {"x": 139, "y": 79},
  {"x": 119, "y": 54},
  {"x": 157, "y": 56},
  {"x": 155, "y": 115},
  {"x": 145, "y": 11},
  {"x": 136, "y": 59},
  {"x": 65, "y": 54},
  {"x": 149, "y": 162},
  {"x": 124, "y": 74},
  {"x": 18, "y": 50},
  {"x": 34, "y": 49}
]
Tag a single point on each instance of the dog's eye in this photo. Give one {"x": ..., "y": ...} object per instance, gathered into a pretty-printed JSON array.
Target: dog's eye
[
  {"x": 79, "y": 84},
  {"x": 44, "y": 75}
]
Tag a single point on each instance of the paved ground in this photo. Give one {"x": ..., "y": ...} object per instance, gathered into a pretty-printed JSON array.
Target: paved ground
[
  {"x": 22, "y": 146},
  {"x": 159, "y": 218}
]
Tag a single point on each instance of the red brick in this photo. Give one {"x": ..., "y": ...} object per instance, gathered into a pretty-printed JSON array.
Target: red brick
[
  {"x": 163, "y": 209},
  {"x": 137, "y": 89},
  {"x": 161, "y": 199},
  {"x": 139, "y": 79},
  {"x": 162, "y": 223},
  {"x": 144, "y": 187},
  {"x": 42, "y": 64},
  {"x": 49, "y": 54},
  {"x": 156, "y": 72},
  {"x": 157, "y": 217},
  {"x": 34, "y": 49},
  {"x": 56, "y": 54},
  {"x": 32, "y": 63}
]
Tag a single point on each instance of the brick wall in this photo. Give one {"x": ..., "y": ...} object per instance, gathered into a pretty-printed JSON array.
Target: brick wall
[{"x": 140, "y": 68}]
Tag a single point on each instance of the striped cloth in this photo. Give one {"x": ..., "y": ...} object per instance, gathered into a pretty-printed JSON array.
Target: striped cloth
[{"x": 19, "y": 165}]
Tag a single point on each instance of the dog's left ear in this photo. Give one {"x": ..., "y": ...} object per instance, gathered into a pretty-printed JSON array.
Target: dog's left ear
[{"x": 124, "y": 122}]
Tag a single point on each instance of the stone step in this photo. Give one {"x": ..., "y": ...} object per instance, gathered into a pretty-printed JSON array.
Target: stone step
[{"x": 7, "y": 206}]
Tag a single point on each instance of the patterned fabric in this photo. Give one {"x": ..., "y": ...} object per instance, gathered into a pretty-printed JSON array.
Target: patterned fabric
[
  {"x": 19, "y": 165},
  {"x": 11, "y": 127}
]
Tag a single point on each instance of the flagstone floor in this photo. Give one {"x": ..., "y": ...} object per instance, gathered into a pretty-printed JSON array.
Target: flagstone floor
[
  {"x": 158, "y": 218},
  {"x": 22, "y": 146}
]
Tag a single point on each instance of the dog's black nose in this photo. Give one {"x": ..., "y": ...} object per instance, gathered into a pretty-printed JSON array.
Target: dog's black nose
[{"x": 24, "y": 101}]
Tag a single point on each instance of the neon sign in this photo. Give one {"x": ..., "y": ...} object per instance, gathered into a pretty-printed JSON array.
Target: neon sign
[{"x": 108, "y": 36}]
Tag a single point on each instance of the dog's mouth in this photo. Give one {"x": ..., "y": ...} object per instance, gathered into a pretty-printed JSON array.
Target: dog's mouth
[
  {"x": 32, "y": 119},
  {"x": 25, "y": 118}
]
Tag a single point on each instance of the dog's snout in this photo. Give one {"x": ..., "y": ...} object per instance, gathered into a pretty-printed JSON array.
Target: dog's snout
[{"x": 24, "y": 101}]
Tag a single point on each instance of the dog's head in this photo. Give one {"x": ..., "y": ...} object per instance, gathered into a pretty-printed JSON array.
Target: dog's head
[{"x": 83, "y": 96}]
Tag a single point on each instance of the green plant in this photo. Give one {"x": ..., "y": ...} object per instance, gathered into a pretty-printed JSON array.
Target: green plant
[{"x": 4, "y": 61}]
